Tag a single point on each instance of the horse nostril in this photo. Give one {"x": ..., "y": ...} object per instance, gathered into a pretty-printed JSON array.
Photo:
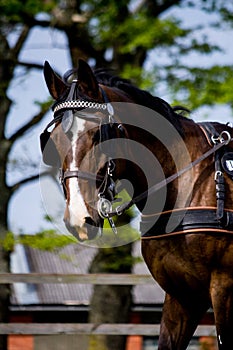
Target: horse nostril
[
  {"x": 92, "y": 227},
  {"x": 89, "y": 221}
]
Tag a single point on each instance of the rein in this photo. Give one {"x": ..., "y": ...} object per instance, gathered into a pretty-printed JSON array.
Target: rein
[
  {"x": 223, "y": 142},
  {"x": 106, "y": 196}
]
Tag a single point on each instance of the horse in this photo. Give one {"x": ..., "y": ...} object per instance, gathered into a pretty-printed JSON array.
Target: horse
[{"x": 106, "y": 129}]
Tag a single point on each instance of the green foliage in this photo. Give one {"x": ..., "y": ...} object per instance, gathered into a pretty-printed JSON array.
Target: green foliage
[
  {"x": 145, "y": 32},
  {"x": 131, "y": 31},
  {"x": 8, "y": 242},
  {"x": 15, "y": 10},
  {"x": 116, "y": 260},
  {"x": 201, "y": 86},
  {"x": 47, "y": 240},
  {"x": 44, "y": 105},
  {"x": 145, "y": 79},
  {"x": 113, "y": 25}
]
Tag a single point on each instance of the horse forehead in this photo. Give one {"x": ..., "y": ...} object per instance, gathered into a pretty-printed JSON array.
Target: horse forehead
[
  {"x": 78, "y": 127},
  {"x": 82, "y": 138}
]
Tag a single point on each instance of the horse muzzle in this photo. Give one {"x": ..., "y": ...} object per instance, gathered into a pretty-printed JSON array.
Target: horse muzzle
[{"x": 88, "y": 231}]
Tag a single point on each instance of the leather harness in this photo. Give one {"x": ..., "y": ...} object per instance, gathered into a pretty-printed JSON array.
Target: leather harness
[
  {"x": 185, "y": 220},
  {"x": 211, "y": 220}
]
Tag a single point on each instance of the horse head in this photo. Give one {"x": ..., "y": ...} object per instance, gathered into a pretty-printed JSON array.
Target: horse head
[{"x": 80, "y": 145}]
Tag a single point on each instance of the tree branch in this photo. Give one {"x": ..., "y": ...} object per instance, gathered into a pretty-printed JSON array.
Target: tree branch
[
  {"x": 20, "y": 42},
  {"x": 50, "y": 172},
  {"x": 156, "y": 10},
  {"x": 36, "y": 119},
  {"x": 31, "y": 65}
]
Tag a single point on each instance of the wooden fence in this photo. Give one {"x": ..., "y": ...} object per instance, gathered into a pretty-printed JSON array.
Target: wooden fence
[{"x": 85, "y": 328}]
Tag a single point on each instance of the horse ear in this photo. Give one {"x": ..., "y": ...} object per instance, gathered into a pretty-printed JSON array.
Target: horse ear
[
  {"x": 55, "y": 84},
  {"x": 87, "y": 80}
]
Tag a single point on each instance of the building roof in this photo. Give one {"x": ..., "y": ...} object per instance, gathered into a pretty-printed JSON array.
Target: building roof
[{"x": 75, "y": 258}]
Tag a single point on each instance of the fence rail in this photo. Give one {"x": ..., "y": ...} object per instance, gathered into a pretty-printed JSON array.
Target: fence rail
[
  {"x": 107, "y": 279},
  {"x": 90, "y": 328},
  {"x": 85, "y": 328}
]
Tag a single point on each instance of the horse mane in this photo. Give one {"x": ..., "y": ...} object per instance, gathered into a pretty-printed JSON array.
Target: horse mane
[{"x": 141, "y": 97}]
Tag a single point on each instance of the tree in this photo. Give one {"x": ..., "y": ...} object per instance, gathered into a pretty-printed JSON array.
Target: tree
[
  {"x": 121, "y": 35},
  {"x": 112, "y": 260},
  {"x": 11, "y": 20}
]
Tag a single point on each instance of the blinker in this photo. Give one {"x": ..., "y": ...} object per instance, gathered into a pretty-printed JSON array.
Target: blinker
[
  {"x": 67, "y": 121},
  {"x": 68, "y": 116},
  {"x": 110, "y": 110},
  {"x": 227, "y": 163},
  {"x": 49, "y": 150}
]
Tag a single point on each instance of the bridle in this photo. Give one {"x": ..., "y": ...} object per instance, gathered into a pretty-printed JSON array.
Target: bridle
[{"x": 64, "y": 114}]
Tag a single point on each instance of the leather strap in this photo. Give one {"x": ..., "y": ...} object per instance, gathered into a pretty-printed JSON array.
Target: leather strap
[
  {"x": 82, "y": 175},
  {"x": 120, "y": 209},
  {"x": 209, "y": 131},
  {"x": 185, "y": 220}
]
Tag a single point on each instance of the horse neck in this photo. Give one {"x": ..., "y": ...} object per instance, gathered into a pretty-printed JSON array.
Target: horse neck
[
  {"x": 155, "y": 159},
  {"x": 158, "y": 147},
  {"x": 151, "y": 162}
]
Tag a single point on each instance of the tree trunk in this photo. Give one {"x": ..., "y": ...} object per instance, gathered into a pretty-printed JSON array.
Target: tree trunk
[
  {"x": 4, "y": 200},
  {"x": 4, "y": 264},
  {"x": 4, "y": 294},
  {"x": 4, "y": 255},
  {"x": 110, "y": 304}
]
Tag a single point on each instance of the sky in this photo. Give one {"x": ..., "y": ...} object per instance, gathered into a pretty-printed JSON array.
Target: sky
[{"x": 27, "y": 211}]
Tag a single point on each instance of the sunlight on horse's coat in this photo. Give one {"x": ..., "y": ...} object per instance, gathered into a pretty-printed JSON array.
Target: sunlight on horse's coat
[{"x": 77, "y": 210}]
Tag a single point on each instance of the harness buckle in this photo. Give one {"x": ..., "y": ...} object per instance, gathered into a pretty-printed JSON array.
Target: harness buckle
[
  {"x": 217, "y": 174},
  {"x": 61, "y": 176},
  {"x": 224, "y": 137},
  {"x": 214, "y": 139},
  {"x": 104, "y": 207},
  {"x": 119, "y": 211},
  {"x": 111, "y": 167}
]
